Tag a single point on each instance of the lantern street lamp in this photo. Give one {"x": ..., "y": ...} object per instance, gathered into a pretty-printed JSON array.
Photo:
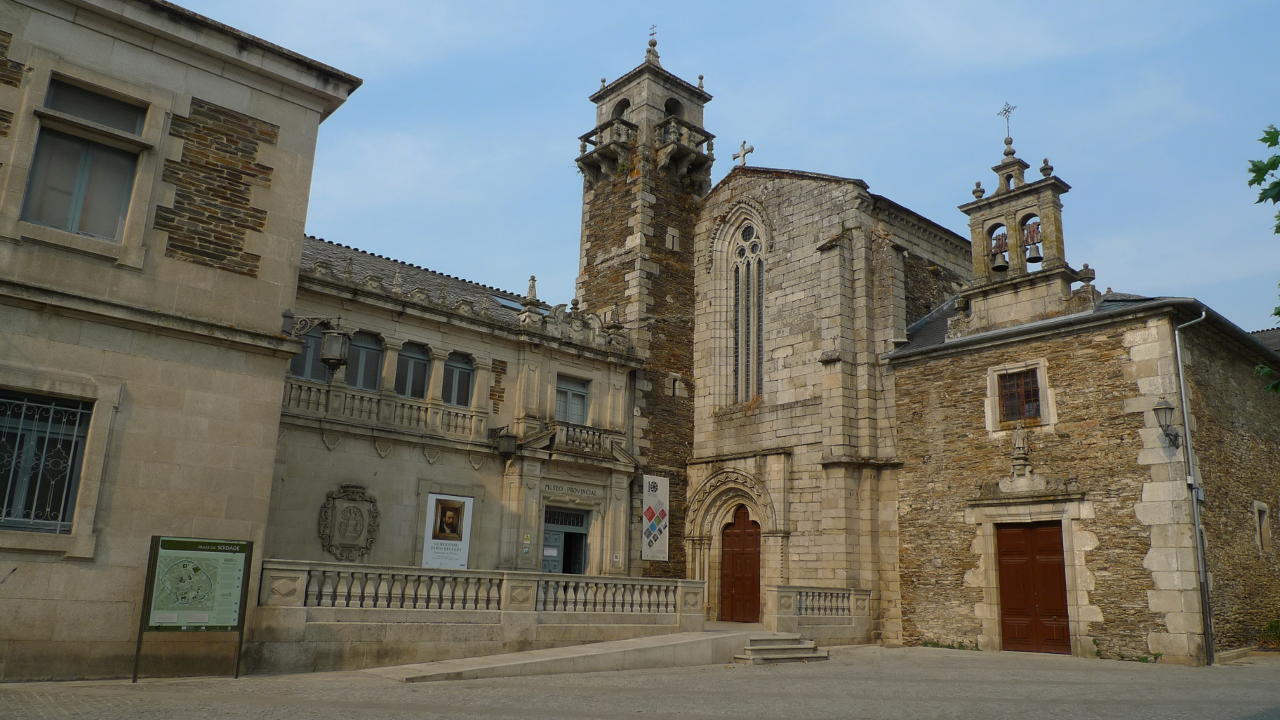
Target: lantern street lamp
[{"x": 1164, "y": 418}]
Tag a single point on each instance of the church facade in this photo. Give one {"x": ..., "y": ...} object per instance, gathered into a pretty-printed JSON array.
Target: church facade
[{"x": 782, "y": 398}]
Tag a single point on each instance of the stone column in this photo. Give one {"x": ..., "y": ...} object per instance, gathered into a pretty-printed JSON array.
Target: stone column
[{"x": 435, "y": 382}]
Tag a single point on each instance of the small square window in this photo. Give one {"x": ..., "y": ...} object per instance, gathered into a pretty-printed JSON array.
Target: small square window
[{"x": 1019, "y": 395}]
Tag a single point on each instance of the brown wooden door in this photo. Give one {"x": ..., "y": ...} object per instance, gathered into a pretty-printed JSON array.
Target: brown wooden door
[
  {"x": 1033, "y": 588},
  {"x": 740, "y": 569}
]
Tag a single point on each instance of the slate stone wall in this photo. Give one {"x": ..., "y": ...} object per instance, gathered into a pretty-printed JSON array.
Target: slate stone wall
[
  {"x": 947, "y": 453},
  {"x": 1237, "y": 441},
  {"x": 212, "y": 209}
]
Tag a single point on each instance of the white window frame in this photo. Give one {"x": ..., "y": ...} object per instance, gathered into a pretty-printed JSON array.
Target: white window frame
[{"x": 31, "y": 116}]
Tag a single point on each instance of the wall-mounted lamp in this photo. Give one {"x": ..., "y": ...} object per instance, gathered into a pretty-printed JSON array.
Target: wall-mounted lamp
[
  {"x": 1164, "y": 418},
  {"x": 504, "y": 441},
  {"x": 335, "y": 343}
]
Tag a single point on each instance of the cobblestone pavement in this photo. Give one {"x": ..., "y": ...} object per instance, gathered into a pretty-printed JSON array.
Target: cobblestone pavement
[{"x": 863, "y": 682}]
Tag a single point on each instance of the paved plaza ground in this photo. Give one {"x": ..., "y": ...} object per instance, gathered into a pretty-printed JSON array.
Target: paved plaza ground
[{"x": 860, "y": 682}]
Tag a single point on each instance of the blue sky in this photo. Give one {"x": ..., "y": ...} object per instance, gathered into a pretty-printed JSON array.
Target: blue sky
[{"x": 457, "y": 153}]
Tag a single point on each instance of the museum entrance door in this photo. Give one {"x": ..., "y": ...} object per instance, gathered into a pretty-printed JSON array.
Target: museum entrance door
[
  {"x": 740, "y": 569},
  {"x": 1033, "y": 588},
  {"x": 564, "y": 541}
]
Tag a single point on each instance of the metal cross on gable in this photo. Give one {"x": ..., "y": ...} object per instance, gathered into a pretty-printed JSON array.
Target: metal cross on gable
[
  {"x": 1005, "y": 112},
  {"x": 741, "y": 155}
]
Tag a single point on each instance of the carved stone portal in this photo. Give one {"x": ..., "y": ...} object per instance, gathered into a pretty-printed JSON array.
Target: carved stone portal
[{"x": 349, "y": 523}]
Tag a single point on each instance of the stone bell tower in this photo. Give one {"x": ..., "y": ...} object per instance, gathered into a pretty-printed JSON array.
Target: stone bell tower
[
  {"x": 646, "y": 166},
  {"x": 1020, "y": 271}
]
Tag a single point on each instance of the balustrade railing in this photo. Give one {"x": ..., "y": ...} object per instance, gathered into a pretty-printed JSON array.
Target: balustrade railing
[
  {"x": 594, "y": 594},
  {"x": 615, "y": 130},
  {"x": 584, "y": 440},
  {"x": 339, "y": 585},
  {"x": 309, "y": 399},
  {"x": 823, "y": 602},
  {"x": 676, "y": 130}
]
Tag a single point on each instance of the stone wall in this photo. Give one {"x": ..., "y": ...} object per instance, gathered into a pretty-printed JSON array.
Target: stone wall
[
  {"x": 214, "y": 181},
  {"x": 1236, "y": 437},
  {"x": 636, "y": 266},
  {"x": 947, "y": 452}
]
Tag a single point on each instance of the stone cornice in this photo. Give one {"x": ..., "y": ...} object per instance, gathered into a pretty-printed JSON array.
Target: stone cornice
[{"x": 130, "y": 316}]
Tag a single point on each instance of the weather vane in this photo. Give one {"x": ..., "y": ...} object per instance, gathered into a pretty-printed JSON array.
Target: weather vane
[
  {"x": 1005, "y": 112},
  {"x": 653, "y": 32}
]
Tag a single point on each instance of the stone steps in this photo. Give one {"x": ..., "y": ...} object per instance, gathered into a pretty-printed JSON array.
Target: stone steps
[{"x": 780, "y": 648}]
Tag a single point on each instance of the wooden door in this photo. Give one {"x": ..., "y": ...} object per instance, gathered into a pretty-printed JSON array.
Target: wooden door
[
  {"x": 740, "y": 569},
  {"x": 1033, "y": 588}
]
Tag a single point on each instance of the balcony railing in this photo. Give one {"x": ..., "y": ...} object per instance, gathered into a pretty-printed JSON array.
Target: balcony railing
[
  {"x": 616, "y": 130},
  {"x": 308, "y": 399},
  {"x": 584, "y": 440},
  {"x": 676, "y": 130}
]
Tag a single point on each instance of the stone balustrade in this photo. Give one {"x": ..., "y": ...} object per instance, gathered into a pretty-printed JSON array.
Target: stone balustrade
[
  {"x": 676, "y": 130},
  {"x": 585, "y": 440},
  {"x": 300, "y": 583},
  {"x": 311, "y": 399},
  {"x": 837, "y": 616},
  {"x": 611, "y": 131},
  {"x": 572, "y": 593}
]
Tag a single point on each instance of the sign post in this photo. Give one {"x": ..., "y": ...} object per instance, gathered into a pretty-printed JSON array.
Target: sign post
[{"x": 195, "y": 585}]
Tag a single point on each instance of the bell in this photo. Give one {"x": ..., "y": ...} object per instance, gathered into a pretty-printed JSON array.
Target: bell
[
  {"x": 999, "y": 262},
  {"x": 1034, "y": 253}
]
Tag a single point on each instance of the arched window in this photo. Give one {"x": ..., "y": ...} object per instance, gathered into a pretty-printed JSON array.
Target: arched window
[
  {"x": 306, "y": 364},
  {"x": 364, "y": 361},
  {"x": 620, "y": 109},
  {"x": 999, "y": 238},
  {"x": 748, "y": 314},
  {"x": 413, "y": 368},
  {"x": 674, "y": 108},
  {"x": 459, "y": 372}
]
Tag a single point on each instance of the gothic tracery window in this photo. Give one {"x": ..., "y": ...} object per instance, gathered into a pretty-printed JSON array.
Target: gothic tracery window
[{"x": 748, "y": 314}]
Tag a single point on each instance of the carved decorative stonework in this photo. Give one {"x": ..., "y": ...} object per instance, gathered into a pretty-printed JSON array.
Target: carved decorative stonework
[{"x": 349, "y": 523}]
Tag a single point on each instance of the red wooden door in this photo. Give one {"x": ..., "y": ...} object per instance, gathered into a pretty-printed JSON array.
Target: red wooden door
[
  {"x": 1033, "y": 588},
  {"x": 740, "y": 569}
]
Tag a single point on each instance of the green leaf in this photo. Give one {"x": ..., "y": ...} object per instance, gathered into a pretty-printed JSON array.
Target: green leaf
[
  {"x": 1270, "y": 137},
  {"x": 1270, "y": 193}
]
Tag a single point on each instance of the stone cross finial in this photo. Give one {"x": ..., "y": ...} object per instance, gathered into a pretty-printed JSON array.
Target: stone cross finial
[
  {"x": 741, "y": 155},
  {"x": 533, "y": 287}
]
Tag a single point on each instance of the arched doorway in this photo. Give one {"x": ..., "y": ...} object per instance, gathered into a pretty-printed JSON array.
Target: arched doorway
[{"x": 740, "y": 568}]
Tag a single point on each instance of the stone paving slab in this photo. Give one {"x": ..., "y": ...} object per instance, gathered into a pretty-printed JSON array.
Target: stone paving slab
[{"x": 864, "y": 682}]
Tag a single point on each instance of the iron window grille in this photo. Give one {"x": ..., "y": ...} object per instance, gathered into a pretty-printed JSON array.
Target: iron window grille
[
  {"x": 41, "y": 450},
  {"x": 1019, "y": 396}
]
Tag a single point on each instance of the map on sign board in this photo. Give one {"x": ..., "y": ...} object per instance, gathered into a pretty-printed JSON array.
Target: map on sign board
[{"x": 198, "y": 584}]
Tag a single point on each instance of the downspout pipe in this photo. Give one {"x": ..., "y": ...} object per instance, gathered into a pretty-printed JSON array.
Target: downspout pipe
[{"x": 1196, "y": 491}]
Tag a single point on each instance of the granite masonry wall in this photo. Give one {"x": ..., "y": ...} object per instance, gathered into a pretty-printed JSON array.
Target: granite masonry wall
[
  {"x": 948, "y": 452},
  {"x": 1236, "y": 437}
]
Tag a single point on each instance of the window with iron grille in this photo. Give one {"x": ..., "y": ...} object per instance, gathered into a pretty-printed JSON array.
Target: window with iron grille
[
  {"x": 41, "y": 449},
  {"x": 1019, "y": 396}
]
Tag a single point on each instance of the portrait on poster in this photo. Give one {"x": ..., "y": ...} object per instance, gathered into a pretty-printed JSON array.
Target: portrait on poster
[
  {"x": 447, "y": 540},
  {"x": 449, "y": 517}
]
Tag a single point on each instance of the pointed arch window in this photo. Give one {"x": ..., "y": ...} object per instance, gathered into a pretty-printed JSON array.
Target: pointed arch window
[{"x": 748, "y": 314}]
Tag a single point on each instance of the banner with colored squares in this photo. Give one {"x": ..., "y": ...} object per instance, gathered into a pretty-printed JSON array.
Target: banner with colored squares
[{"x": 657, "y": 518}]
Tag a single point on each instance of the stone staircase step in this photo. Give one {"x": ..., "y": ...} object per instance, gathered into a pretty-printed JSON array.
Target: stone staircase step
[
  {"x": 773, "y": 658},
  {"x": 771, "y": 643}
]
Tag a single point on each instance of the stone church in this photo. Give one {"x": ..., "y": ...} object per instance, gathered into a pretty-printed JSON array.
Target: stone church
[{"x": 782, "y": 399}]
